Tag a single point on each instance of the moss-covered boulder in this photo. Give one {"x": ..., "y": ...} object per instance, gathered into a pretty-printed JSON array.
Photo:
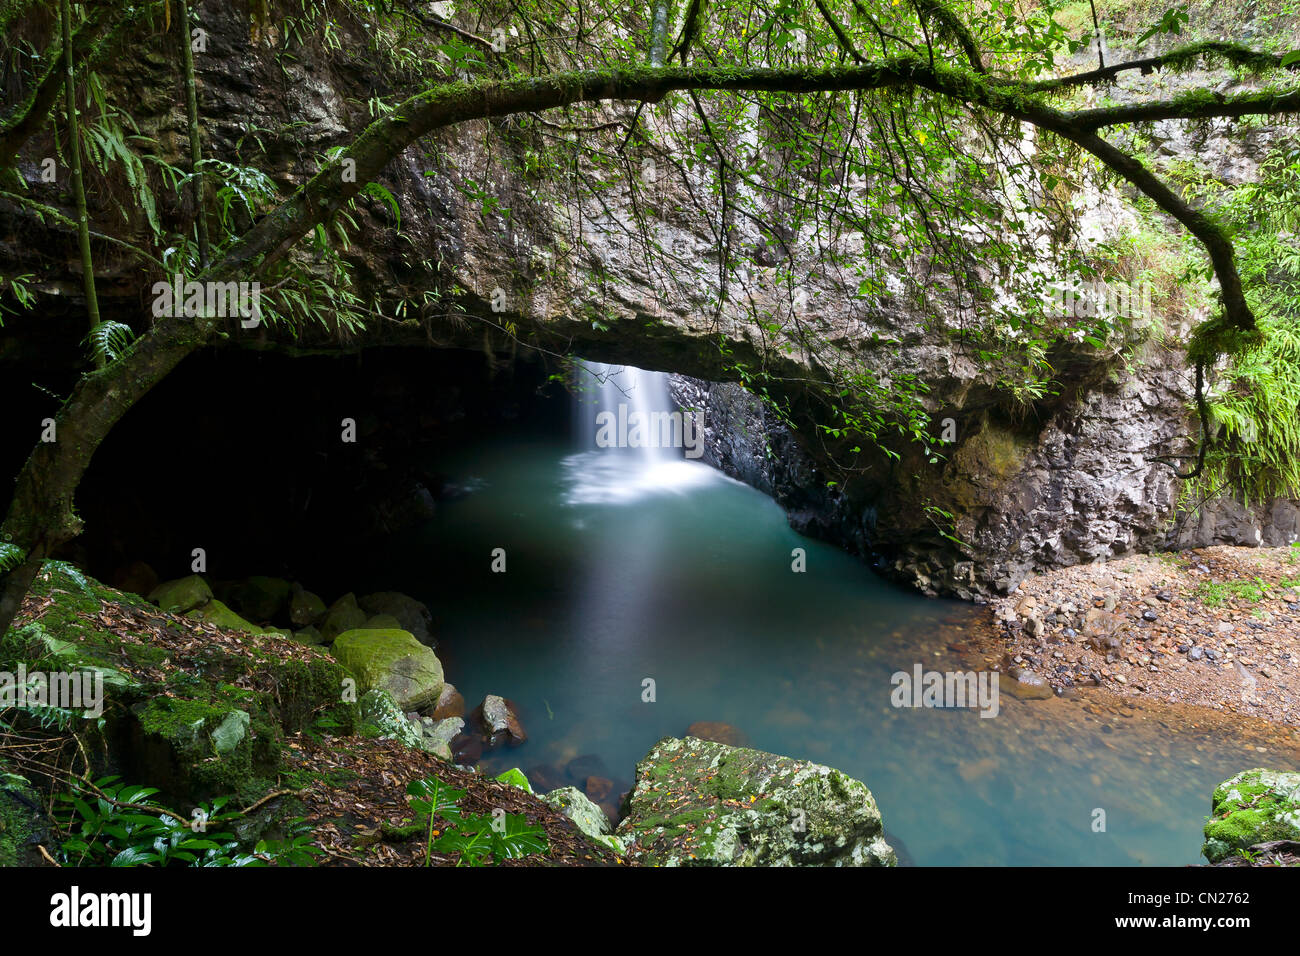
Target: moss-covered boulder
[
  {"x": 22, "y": 821},
  {"x": 305, "y": 608},
  {"x": 258, "y": 597},
  {"x": 343, "y": 615},
  {"x": 701, "y": 803},
  {"x": 194, "y": 712},
  {"x": 181, "y": 595},
  {"x": 393, "y": 661},
  {"x": 1255, "y": 806},
  {"x": 218, "y": 614}
]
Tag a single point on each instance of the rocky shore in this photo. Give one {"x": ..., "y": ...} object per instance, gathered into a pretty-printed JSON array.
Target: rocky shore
[{"x": 1217, "y": 627}]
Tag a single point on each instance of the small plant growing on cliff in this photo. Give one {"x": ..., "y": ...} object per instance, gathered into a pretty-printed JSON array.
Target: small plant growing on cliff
[{"x": 472, "y": 838}]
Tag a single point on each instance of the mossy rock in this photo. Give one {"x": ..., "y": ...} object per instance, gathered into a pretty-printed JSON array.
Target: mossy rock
[
  {"x": 343, "y": 615},
  {"x": 218, "y": 614},
  {"x": 202, "y": 749},
  {"x": 412, "y": 615},
  {"x": 200, "y": 729},
  {"x": 259, "y": 597},
  {"x": 586, "y": 816},
  {"x": 305, "y": 608},
  {"x": 379, "y": 716},
  {"x": 384, "y": 622},
  {"x": 22, "y": 822},
  {"x": 1255, "y": 806},
  {"x": 393, "y": 661},
  {"x": 181, "y": 595},
  {"x": 701, "y": 803}
]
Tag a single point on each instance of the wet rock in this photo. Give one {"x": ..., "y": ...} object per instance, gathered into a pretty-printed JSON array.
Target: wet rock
[
  {"x": 718, "y": 732},
  {"x": 545, "y": 777},
  {"x": 500, "y": 723},
  {"x": 598, "y": 788},
  {"x": 1024, "y": 684},
  {"x": 450, "y": 703},
  {"x": 467, "y": 749},
  {"x": 437, "y": 735},
  {"x": 587, "y": 765},
  {"x": 702, "y": 803}
]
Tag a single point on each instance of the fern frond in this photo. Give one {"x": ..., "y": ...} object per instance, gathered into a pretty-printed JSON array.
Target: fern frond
[{"x": 108, "y": 340}]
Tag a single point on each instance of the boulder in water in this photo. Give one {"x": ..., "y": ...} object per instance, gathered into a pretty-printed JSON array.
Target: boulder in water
[
  {"x": 701, "y": 803},
  {"x": 499, "y": 721},
  {"x": 718, "y": 732}
]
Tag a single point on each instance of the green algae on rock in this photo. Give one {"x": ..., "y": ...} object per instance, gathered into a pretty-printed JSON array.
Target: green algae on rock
[
  {"x": 1255, "y": 806},
  {"x": 701, "y": 803},
  {"x": 394, "y": 661}
]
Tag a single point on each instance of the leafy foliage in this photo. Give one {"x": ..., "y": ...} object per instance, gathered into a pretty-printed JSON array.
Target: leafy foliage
[
  {"x": 473, "y": 838},
  {"x": 116, "y": 824}
]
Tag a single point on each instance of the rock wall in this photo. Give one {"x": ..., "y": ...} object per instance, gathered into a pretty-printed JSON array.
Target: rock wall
[{"x": 1067, "y": 479}]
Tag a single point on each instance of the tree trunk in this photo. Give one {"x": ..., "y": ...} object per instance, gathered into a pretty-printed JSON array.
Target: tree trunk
[
  {"x": 78, "y": 185},
  {"x": 196, "y": 144}
]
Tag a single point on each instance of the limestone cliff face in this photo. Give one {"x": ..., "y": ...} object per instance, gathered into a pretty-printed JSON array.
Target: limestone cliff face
[{"x": 1070, "y": 478}]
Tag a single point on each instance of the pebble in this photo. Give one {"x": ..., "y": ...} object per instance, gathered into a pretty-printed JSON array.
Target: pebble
[
  {"x": 1149, "y": 615},
  {"x": 1195, "y": 654}
]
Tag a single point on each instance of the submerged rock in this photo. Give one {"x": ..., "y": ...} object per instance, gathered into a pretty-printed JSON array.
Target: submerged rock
[
  {"x": 718, "y": 732},
  {"x": 393, "y": 661},
  {"x": 701, "y": 803},
  {"x": 1255, "y": 806}
]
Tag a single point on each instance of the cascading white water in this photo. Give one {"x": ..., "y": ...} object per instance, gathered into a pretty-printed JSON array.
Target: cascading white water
[
  {"x": 620, "y": 404},
  {"x": 636, "y": 440}
]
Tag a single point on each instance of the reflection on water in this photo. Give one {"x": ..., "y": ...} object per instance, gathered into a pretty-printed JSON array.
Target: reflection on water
[{"x": 611, "y": 581}]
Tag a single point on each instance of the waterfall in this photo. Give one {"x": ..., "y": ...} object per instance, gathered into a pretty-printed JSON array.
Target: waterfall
[
  {"x": 635, "y": 441},
  {"x": 624, "y": 408}
]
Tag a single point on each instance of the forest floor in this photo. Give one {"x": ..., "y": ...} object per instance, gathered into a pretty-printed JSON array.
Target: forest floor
[{"x": 1216, "y": 627}]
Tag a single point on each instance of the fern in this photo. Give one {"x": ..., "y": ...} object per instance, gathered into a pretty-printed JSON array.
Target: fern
[{"x": 109, "y": 340}]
